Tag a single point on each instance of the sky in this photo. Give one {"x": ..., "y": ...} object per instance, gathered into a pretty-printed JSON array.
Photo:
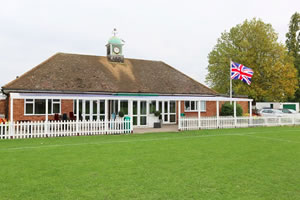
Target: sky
[{"x": 180, "y": 33}]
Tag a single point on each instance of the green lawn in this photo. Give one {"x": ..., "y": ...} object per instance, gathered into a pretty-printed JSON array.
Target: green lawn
[{"x": 252, "y": 163}]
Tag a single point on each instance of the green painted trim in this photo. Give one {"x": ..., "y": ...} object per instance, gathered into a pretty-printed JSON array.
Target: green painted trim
[{"x": 135, "y": 94}]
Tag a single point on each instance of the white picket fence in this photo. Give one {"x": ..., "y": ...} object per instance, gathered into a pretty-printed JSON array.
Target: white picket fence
[
  {"x": 186, "y": 123},
  {"x": 39, "y": 129}
]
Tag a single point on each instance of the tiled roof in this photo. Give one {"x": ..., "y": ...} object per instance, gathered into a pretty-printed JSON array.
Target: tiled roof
[{"x": 85, "y": 73}]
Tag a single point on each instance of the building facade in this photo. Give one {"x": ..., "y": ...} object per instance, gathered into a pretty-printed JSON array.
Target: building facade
[{"x": 87, "y": 87}]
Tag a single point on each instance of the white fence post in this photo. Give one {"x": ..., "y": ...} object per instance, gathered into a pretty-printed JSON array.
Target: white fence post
[
  {"x": 179, "y": 115},
  {"x": 217, "y": 114},
  {"x": 234, "y": 112},
  {"x": 199, "y": 114}
]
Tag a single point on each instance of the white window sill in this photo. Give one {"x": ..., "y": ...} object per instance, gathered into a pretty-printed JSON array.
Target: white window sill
[{"x": 41, "y": 114}]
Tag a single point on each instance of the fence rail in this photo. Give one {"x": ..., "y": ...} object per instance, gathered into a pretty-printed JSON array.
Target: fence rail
[
  {"x": 18, "y": 130},
  {"x": 186, "y": 123}
]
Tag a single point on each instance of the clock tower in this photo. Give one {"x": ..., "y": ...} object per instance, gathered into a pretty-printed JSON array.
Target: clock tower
[{"x": 114, "y": 48}]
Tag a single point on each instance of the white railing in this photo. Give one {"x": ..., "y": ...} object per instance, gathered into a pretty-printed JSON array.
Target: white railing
[
  {"x": 186, "y": 123},
  {"x": 18, "y": 130}
]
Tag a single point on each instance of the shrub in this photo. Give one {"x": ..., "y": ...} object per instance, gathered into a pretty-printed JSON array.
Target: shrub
[
  {"x": 157, "y": 113},
  {"x": 121, "y": 114},
  {"x": 227, "y": 109}
]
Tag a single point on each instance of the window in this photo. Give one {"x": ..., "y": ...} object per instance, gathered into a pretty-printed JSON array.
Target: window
[
  {"x": 172, "y": 111},
  {"x": 55, "y": 106},
  {"x": 192, "y": 106},
  {"x": 203, "y": 106},
  {"x": 152, "y": 107},
  {"x": 124, "y": 106},
  {"x": 38, "y": 106},
  {"x": 90, "y": 109},
  {"x": 29, "y": 106}
]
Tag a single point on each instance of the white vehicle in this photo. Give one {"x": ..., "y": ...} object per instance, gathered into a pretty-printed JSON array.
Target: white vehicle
[
  {"x": 288, "y": 111},
  {"x": 271, "y": 113}
]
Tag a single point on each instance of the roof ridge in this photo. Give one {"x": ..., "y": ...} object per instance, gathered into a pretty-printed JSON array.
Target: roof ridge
[
  {"x": 31, "y": 70},
  {"x": 189, "y": 77},
  {"x": 106, "y": 56}
]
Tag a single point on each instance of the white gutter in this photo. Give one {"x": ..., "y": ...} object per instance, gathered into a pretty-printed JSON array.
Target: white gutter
[{"x": 125, "y": 97}]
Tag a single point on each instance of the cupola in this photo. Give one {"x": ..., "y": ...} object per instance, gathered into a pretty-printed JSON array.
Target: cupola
[{"x": 114, "y": 48}]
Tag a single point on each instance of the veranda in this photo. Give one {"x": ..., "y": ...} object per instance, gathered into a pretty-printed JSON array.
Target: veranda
[{"x": 138, "y": 107}]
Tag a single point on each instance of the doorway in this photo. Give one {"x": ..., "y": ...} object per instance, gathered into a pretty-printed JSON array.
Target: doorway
[{"x": 139, "y": 113}]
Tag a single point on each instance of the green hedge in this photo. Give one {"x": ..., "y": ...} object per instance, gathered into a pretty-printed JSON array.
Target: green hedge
[{"x": 227, "y": 109}]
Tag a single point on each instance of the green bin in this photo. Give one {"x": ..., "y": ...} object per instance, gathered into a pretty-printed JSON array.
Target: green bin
[{"x": 127, "y": 123}]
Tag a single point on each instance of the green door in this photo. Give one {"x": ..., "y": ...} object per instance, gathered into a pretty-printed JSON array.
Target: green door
[{"x": 289, "y": 106}]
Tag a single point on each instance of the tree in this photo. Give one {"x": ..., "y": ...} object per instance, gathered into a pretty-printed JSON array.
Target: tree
[
  {"x": 293, "y": 44},
  {"x": 253, "y": 44}
]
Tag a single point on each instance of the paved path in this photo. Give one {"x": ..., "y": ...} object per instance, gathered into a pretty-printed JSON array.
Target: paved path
[{"x": 164, "y": 128}]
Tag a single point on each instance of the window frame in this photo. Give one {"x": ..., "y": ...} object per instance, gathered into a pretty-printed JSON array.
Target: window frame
[
  {"x": 82, "y": 103},
  {"x": 202, "y": 106},
  {"x": 32, "y": 101}
]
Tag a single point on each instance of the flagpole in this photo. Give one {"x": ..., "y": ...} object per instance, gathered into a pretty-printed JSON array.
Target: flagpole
[{"x": 230, "y": 90}]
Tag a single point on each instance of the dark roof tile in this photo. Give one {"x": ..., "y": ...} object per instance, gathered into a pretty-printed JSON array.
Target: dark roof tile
[{"x": 85, "y": 73}]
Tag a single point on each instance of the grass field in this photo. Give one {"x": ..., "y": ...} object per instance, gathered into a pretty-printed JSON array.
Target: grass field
[{"x": 252, "y": 163}]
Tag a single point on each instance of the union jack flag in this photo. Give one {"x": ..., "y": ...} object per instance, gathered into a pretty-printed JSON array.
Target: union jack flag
[{"x": 239, "y": 71}]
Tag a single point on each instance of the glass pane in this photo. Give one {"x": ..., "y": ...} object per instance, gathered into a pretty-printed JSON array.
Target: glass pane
[
  {"x": 134, "y": 120},
  {"x": 187, "y": 105},
  {"x": 75, "y": 106},
  {"x": 203, "y": 105},
  {"x": 116, "y": 106},
  {"x": 94, "y": 107},
  {"x": 94, "y": 118},
  {"x": 40, "y": 106},
  {"x": 87, "y": 117},
  {"x": 143, "y": 120},
  {"x": 143, "y": 107},
  {"x": 102, "y": 117},
  {"x": 152, "y": 106},
  {"x": 135, "y": 107},
  {"x": 80, "y": 107},
  {"x": 166, "y": 107},
  {"x": 49, "y": 106},
  {"x": 124, "y": 107},
  {"x": 160, "y": 106},
  {"x": 172, "y": 107},
  {"x": 193, "y": 105},
  {"x": 166, "y": 118},
  {"x": 29, "y": 108},
  {"x": 87, "y": 107},
  {"x": 102, "y": 107},
  {"x": 172, "y": 118},
  {"x": 29, "y": 100},
  {"x": 56, "y": 108}
]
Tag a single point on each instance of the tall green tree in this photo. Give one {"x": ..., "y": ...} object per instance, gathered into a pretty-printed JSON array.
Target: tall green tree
[
  {"x": 293, "y": 44},
  {"x": 253, "y": 44}
]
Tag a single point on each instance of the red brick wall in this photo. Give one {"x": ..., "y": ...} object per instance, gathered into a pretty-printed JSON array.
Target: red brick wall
[
  {"x": 2, "y": 106},
  {"x": 211, "y": 110},
  {"x": 18, "y": 107},
  {"x": 66, "y": 106},
  {"x": 245, "y": 106}
]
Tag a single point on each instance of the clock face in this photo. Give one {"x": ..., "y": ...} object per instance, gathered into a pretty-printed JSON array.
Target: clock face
[{"x": 116, "y": 50}]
